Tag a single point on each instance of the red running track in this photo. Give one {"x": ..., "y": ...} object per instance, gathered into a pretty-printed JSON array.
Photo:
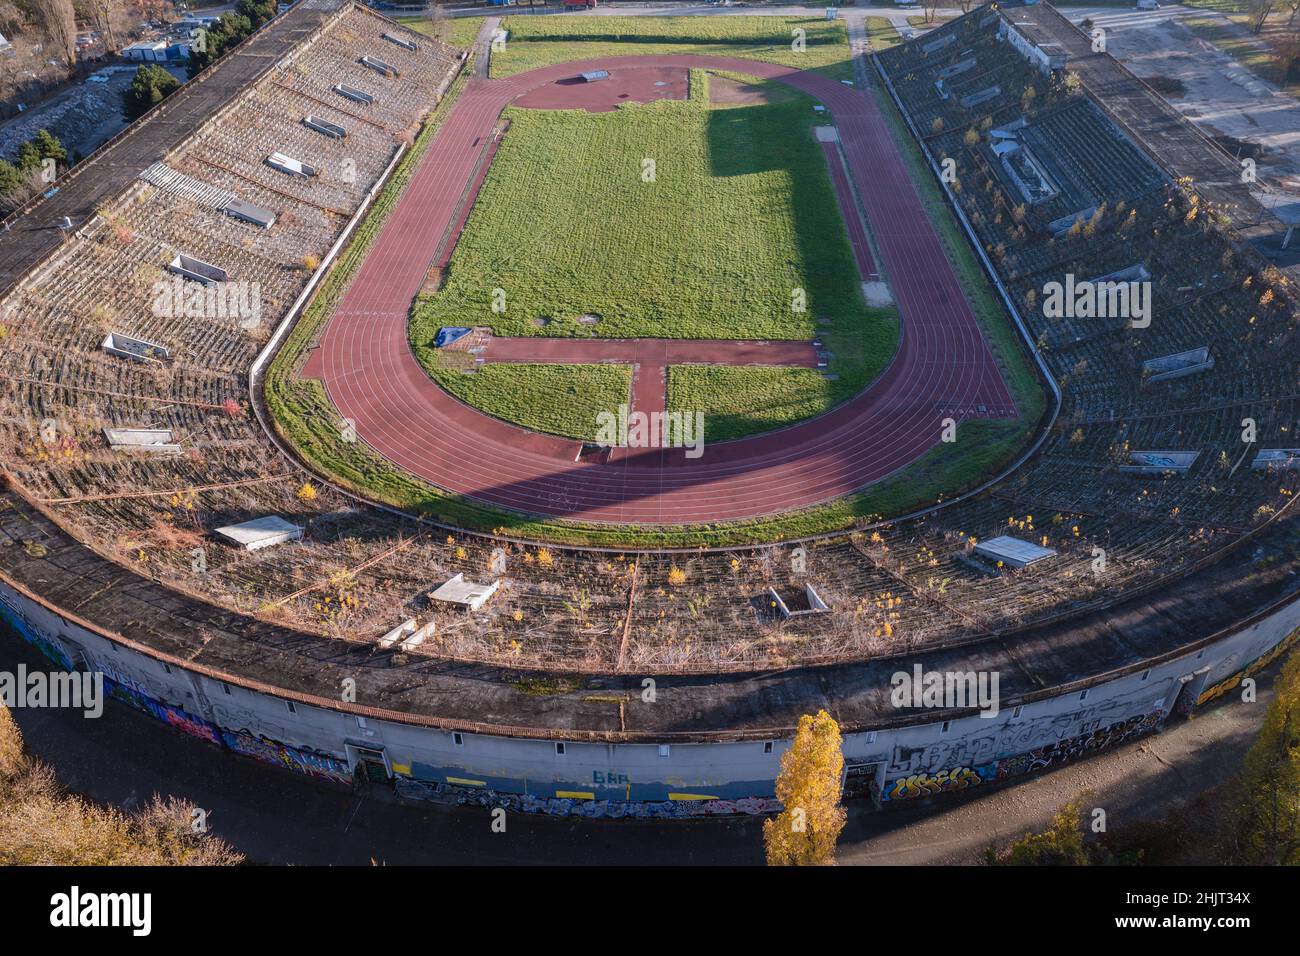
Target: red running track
[{"x": 943, "y": 367}]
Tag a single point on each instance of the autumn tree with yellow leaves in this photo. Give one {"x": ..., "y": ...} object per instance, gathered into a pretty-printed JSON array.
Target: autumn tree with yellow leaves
[
  {"x": 1268, "y": 816},
  {"x": 804, "y": 833}
]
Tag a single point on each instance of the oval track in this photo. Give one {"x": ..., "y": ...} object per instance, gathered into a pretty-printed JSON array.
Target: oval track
[{"x": 943, "y": 366}]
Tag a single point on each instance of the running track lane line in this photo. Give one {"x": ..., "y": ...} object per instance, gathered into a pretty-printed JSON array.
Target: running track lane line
[{"x": 943, "y": 367}]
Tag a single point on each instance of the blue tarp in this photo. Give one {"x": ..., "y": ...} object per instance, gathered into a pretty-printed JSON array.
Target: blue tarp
[{"x": 450, "y": 334}]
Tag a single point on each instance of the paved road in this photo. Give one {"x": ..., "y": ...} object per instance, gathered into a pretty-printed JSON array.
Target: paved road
[
  {"x": 274, "y": 816},
  {"x": 1220, "y": 95}
]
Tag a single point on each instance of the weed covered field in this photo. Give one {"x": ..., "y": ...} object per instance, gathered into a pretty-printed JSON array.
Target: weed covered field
[
  {"x": 738, "y": 400},
  {"x": 540, "y": 41},
  {"x": 737, "y": 214},
  {"x": 454, "y": 31},
  {"x": 559, "y": 399}
]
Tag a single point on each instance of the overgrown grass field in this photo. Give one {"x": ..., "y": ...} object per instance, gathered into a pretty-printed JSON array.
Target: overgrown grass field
[
  {"x": 739, "y": 213},
  {"x": 559, "y": 399},
  {"x": 454, "y": 31},
  {"x": 540, "y": 41},
  {"x": 304, "y": 416}
]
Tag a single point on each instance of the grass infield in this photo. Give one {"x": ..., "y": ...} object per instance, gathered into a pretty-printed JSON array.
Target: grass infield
[
  {"x": 559, "y": 399},
  {"x": 304, "y": 416},
  {"x": 540, "y": 41},
  {"x": 739, "y": 213}
]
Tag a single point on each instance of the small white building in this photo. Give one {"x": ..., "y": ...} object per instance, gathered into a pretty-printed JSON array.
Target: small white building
[
  {"x": 260, "y": 533},
  {"x": 1160, "y": 462},
  {"x": 1179, "y": 365},
  {"x": 157, "y": 51},
  {"x": 156, "y": 440},
  {"x": 796, "y": 602},
  {"x": 465, "y": 594},
  {"x": 1012, "y": 552},
  {"x": 136, "y": 350},
  {"x": 290, "y": 166},
  {"x": 1277, "y": 459}
]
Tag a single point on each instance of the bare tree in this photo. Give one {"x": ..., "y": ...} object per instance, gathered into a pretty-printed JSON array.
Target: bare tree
[
  {"x": 106, "y": 14},
  {"x": 59, "y": 22},
  {"x": 1259, "y": 11},
  {"x": 931, "y": 10},
  {"x": 436, "y": 16},
  {"x": 28, "y": 186},
  {"x": 1288, "y": 55}
]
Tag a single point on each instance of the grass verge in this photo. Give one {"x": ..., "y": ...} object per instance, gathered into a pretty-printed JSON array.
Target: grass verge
[
  {"x": 459, "y": 32},
  {"x": 882, "y": 33}
]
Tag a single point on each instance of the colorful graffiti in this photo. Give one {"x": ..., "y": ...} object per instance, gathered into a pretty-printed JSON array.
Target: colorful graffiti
[
  {"x": 291, "y": 758},
  {"x": 33, "y": 637},
  {"x": 918, "y": 785},
  {"x": 927, "y": 785},
  {"x": 589, "y": 809},
  {"x": 310, "y": 763},
  {"x": 1072, "y": 748},
  {"x": 176, "y": 717},
  {"x": 127, "y": 691},
  {"x": 186, "y": 723},
  {"x": 1254, "y": 667}
]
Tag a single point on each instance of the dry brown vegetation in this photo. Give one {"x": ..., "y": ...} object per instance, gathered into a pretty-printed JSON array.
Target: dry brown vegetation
[{"x": 41, "y": 824}]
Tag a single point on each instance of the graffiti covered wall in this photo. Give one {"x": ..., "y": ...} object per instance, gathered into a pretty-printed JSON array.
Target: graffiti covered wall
[
  {"x": 292, "y": 758},
  {"x": 1222, "y": 687},
  {"x": 697, "y": 778},
  {"x": 1039, "y": 758}
]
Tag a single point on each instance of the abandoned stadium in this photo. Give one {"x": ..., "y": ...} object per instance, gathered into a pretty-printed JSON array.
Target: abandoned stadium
[{"x": 1136, "y": 564}]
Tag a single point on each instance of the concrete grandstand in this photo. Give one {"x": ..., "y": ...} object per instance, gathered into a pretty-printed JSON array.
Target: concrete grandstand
[{"x": 1149, "y": 593}]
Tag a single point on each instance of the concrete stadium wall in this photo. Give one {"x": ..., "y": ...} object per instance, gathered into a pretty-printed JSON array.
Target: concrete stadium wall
[{"x": 895, "y": 764}]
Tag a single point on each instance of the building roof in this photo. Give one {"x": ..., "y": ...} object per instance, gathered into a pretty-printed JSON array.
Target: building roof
[
  {"x": 30, "y": 240},
  {"x": 1013, "y": 551},
  {"x": 249, "y": 212},
  {"x": 465, "y": 593},
  {"x": 143, "y": 439},
  {"x": 260, "y": 532}
]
